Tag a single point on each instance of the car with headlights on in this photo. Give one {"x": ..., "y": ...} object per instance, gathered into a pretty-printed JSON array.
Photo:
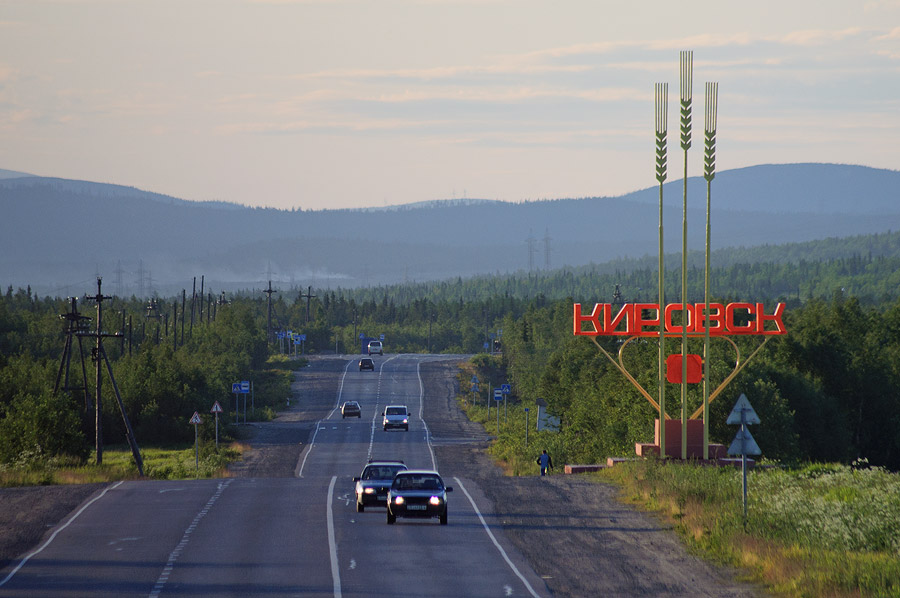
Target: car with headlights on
[
  {"x": 351, "y": 409},
  {"x": 373, "y": 483},
  {"x": 395, "y": 416},
  {"x": 366, "y": 363},
  {"x": 417, "y": 493}
]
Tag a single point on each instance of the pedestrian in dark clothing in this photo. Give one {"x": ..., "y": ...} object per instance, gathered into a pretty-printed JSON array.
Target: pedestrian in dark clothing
[{"x": 545, "y": 462}]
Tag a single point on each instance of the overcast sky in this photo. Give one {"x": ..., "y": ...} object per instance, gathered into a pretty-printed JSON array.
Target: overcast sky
[{"x": 334, "y": 104}]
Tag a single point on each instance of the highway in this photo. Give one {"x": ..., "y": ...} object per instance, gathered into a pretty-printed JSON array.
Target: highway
[{"x": 290, "y": 536}]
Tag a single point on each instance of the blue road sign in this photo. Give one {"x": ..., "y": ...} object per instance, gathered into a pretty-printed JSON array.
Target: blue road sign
[
  {"x": 505, "y": 389},
  {"x": 498, "y": 396},
  {"x": 236, "y": 387}
]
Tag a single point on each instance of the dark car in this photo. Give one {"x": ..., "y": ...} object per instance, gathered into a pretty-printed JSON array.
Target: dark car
[
  {"x": 373, "y": 483},
  {"x": 417, "y": 493},
  {"x": 350, "y": 409},
  {"x": 366, "y": 363}
]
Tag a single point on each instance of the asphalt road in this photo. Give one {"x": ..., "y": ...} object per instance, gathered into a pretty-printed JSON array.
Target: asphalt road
[{"x": 288, "y": 536}]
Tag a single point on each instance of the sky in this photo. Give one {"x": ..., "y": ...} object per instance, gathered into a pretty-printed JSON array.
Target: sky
[{"x": 326, "y": 104}]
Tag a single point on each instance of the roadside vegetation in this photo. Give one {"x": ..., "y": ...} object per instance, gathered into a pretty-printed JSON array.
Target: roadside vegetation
[
  {"x": 811, "y": 531},
  {"x": 118, "y": 464}
]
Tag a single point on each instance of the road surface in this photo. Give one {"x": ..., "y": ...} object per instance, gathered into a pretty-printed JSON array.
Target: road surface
[{"x": 286, "y": 536}]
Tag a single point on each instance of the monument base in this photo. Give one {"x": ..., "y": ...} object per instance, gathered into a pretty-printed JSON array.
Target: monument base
[{"x": 673, "y": 442}]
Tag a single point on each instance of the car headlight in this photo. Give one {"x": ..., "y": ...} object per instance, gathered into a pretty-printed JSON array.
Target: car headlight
[
  {"x": 434, "y": 500},
  {"x": 369, "y": 490},
  {"x": 398, "y": 500},
  {"x": 405, "y": 420}
]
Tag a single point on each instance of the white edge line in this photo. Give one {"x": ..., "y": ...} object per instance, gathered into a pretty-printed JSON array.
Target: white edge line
[
  {"x": 494, "y": 540},
  {"x": 298, "y": 471},
  {"x": 332, "y": 544},
  {"x": 53, "y": 535},
  {"x": 422, "y": 412}
]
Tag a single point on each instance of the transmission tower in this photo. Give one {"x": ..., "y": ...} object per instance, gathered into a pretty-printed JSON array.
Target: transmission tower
[
  {"x": 268, "y": 293},
  {"x": 530, "y": 242},
  {"x": 547, "y": 240}
]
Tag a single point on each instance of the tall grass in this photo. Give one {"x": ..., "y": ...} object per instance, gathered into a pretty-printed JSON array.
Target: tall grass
[
  {"x": 816, "y": 531},
  {"x": 159, "y": 463}
]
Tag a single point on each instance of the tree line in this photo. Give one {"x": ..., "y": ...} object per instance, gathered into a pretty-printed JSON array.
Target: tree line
[{"x": 828, "y": 390}]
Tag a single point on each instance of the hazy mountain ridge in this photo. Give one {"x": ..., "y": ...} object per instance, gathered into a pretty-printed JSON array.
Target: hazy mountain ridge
[{"x": 55, "y": 231}]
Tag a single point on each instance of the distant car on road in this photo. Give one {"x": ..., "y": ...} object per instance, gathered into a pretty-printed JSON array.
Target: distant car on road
[
  {"x": 350, "y": 409},
  {"x": 375, "y": 347},
  {"x": 373, "y": 483},
  {"x": 366, "y": 363},
  {"x": 417, "y": 493},
  {"x": 395, "y": 416}
]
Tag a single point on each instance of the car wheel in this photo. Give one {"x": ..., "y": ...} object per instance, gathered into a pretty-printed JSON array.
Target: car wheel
[
  {"x": 390, "y": 518},
  {"x": 444, "y": 517},
  {"x": 360, "y": 508}
]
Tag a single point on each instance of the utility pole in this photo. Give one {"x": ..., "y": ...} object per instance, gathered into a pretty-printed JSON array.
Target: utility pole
[
  {"x": 100, "y": 357},
  {"x": 308, "y": 296},
  {"x": 75, "y": 323},
  {"x": 202, "y": 277},
  {"x": 268, "y": 293}
]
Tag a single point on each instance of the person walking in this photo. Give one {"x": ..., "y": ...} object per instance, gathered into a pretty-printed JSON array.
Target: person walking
[{"x": 545, "y": 461}]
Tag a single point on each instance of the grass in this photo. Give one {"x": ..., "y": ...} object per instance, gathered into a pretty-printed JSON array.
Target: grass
[
  {"x": 815, "y": 531},
  {"x": 160, "y": 463}
]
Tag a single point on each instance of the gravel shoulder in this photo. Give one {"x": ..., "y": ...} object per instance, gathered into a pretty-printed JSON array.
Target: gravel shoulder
[{"x": 572, "y": 530}]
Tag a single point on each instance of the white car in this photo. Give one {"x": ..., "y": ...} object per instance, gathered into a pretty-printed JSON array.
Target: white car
[
  {"x": 375, "y": 347},
  {"x": 395, "y": 416}
]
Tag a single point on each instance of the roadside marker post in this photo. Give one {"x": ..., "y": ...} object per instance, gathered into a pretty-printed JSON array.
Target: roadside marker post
[
  {"x": 195, "y": 419},
  {"x": 498, "y": 396},
  {"x": 217, "y": 409},
  {"x": 526, "y": 427},
  {"x": 743, "y": 442}
]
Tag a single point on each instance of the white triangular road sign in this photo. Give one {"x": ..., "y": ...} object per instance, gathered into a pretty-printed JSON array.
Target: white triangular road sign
[
  {"x": 216, "y": 408},
  {"x": 195, "y": 419},
  {"x": 742, "y": 408},
  {"x": 744, "y": 444}
]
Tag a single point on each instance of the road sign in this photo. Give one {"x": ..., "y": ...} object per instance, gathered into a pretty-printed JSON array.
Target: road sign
[
  {"x": 381, "y": 337},
  {"x": 474, "y": 379},
  {"x": 744, "y": 444},
  {"x": 245, "y": 387},
  {"x": 474, "y": 388},
  {"x": 498, "y": 394},
  {"x": 195, "y": 419},
  {"x": 301, "y": 337},
  {"x": 742, "y": 413},
  {"x": 505, "y": 389},
  {"x": 236, "y": 387},
  {"x": 216, "y": 408}
]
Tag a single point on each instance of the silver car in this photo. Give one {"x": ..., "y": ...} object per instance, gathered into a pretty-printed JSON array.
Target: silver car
[{"x": 395, "y": 416}]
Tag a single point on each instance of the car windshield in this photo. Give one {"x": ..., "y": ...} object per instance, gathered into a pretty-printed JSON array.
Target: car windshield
[
  {"x": 418, "y": 482},
  {"x": 381, "y": 472},
  {"x": 395, "y": 411}
]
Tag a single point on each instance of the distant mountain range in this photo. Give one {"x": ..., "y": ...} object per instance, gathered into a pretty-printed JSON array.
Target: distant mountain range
[{"x": 58, "y": 234}]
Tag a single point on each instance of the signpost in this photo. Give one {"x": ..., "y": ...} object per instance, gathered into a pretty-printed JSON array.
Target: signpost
[
  {"x": 505, "y": 389},
  {"x": 195, "y": 419},
  {"x": 526, "y": 427},
  {"x": 498, "y": 396},
  {"x": 216, "y": 409},
  {"x": 743, "y": 443},
  {"x": 245, "y": 390}
]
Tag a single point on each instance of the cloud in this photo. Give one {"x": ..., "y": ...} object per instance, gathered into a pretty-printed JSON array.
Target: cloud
[{"x": 819, "y": 37}]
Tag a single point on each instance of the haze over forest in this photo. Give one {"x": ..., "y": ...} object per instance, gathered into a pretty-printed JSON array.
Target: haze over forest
[{"x": 57, "y": 234}]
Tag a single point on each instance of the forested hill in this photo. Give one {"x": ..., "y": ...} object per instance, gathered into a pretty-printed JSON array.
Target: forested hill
[{"x": 56, "y": 234}]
